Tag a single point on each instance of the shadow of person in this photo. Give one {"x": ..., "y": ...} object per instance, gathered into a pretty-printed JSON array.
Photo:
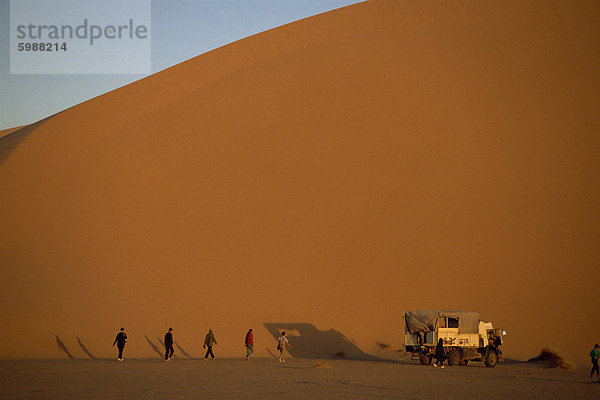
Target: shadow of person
[
  {"x": 154, "y": 347},
  {"x": 275, "y": 356},
  {"x": 63, "y": 348},
  {"x": 182, "y": 350},
  {"x": 85, "y": 350},
  {"x": 309, "y": 342}
]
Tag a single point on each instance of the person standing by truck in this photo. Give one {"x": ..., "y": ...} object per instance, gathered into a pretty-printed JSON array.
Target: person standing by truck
[
  {"x": 440, "y": 353},
  {"x": 594, "y": 354}
]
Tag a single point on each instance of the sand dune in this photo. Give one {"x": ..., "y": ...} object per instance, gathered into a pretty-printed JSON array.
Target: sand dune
[
  {"x": 336, "y": 171},
  {"x": 6, "y": 132}
]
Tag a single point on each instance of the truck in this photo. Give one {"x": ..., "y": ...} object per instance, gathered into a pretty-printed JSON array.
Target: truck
[{"x": 465, "y": 337}]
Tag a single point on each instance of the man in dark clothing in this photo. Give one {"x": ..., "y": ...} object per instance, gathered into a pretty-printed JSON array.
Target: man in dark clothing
[
  {"x": 209, "y": 341},
  {"x": 440, "y": 353},
  {"x": 169, "y": 345},
  {"x": 120, "y": 342}
]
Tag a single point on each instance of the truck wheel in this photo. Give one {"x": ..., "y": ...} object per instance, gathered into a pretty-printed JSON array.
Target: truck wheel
[
  {"x": 491, "y": 359},
  {"x": 454, "y": 357},
  {"x": 424, "y": 360}
]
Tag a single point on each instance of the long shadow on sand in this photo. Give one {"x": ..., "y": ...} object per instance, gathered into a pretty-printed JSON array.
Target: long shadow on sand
[
  {"x": 183, "y": 351},
  {"x": 154, "y": 347},
  {"x": 309, "y": 342},
  {"x": 85, "y": 350},
  {"x": 62, "y": 347}
]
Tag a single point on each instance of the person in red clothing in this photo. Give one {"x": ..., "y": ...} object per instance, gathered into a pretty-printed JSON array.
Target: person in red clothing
[{"x": 249, "y": 344}]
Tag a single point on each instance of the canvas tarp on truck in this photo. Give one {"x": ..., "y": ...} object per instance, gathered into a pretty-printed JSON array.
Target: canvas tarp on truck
[{"x": 427, "y": 321}]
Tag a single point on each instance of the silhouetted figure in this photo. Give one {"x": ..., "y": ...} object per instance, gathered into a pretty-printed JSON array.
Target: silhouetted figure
[
  {"x": 249, "y": 341},
  {"x": 169, "y": 345},
  {"x": 440, "y": 353},
  {"x": 209, "y": 341},
  {"x": 282, "y": 342},
  {"x": 120, "y": 341},
  {"x": 85, "y": 350},
  {"x": 63, "y": 348},
  {"x": 162, "y": 343},
  {"x": 594, "y": 354}
]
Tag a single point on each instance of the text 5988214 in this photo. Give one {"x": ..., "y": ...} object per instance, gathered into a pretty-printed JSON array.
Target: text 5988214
[{"x": 44, "y": 46}]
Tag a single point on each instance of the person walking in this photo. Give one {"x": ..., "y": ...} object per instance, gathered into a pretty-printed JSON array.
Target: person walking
[
  {"x": 169, "y": 345},
  {"x": 209, "y": 341},
  {"x": 282, "y": 342},
  {"x": 120, "y": 341},
  {"x": 594, "y": 354},
  {"x": 249, "y": 341},
  {"x": 440, "y": 353}
]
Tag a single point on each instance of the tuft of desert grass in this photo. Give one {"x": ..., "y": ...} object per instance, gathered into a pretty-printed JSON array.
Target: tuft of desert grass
[
  {"x": 322, "y": 365},
  {"x": 551, "y": 359},
  {"x": 384, "y": 346}
]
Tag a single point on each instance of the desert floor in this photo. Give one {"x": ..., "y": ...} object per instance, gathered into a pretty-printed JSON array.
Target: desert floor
[{"x": 296, "y": 379}]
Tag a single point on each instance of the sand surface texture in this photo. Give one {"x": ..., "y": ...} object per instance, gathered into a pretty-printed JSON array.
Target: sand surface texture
[
  {"x": 330, "y": 173},
  {"x": 296, "y": 379}
]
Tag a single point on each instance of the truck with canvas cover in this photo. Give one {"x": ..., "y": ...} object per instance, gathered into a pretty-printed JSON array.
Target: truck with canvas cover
[{"x": 465, "y": 337}]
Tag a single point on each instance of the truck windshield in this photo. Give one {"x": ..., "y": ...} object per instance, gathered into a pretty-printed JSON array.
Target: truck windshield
[{"x": 452, "y": 322}]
